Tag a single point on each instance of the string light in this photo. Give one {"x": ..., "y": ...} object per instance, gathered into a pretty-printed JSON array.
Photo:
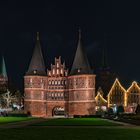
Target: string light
[
  {"x": 100, "y": 96},
  {"x": 134, "y": 84},
  {"x": 110, "y": 92},
  {"x": 126, "y": 92}
]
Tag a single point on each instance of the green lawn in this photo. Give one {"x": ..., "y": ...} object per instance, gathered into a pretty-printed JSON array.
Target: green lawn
[
  {"x": 69, "y": 134},
  {"x": 39, "y": 132},
  {"x": 77, "y": 121},
  {"x": 13, "y": 119}
]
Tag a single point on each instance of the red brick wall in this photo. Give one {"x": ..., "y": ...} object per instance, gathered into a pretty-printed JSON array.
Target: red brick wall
[
  {"x": 80, "y": 90},
  {"x": 35, "y": 108},
  {"x": 35, "y": 95},
  {"x": 81, "y": 108},
  {"x": 81, "y": 95}
]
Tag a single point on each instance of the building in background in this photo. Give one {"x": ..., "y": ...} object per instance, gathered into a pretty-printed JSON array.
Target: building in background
[
  {"x": 116, "y": 95},
  {"x": 119, "y": 96},
  {"x": 101, "y": 103},
  {"x": 105, "y": 77}
]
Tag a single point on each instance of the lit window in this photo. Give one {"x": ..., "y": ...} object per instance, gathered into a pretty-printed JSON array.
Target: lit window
[
  {"x": 52, "y": 82},
  {"x": 49, "y": 82},
  {"x": 62, "y": 82},
  {"x": 58, "y": 82},
  {"x": 66, "y": 74},
  {"x": 78, "y": 70},
  {"x": 53, "y": 71},
  {"x": 61, "y": 71},
  {"x": 31, "y": 80},
  {"x": 55, "y": 82},
  {"x": 35, "y": 71},
  {"x": 57, "y": 71},
  {"x": 41, "y": 80}
]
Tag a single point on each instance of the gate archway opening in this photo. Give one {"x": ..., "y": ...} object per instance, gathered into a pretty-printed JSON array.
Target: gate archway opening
[{"x": 58, "y": 112}]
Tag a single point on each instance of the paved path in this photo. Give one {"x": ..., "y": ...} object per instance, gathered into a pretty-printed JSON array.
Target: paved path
[
  {"x": 21, "y": 123},
  {"x": 30, "y": 124},
  {"x": 120, "y": 123}
]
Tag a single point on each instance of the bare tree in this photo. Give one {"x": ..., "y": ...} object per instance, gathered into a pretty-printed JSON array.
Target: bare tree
[
  {"x": 18, "y": 97},
  {"x": 8, "y": 98}
]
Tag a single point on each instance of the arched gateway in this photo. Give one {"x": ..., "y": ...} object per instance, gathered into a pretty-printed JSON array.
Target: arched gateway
[{"x": 58, "y": 111}]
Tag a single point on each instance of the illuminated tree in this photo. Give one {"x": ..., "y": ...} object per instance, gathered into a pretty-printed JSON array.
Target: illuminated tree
[{"x": 8, "y": 98}]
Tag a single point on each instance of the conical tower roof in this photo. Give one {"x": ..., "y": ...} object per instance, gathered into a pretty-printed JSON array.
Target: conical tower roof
[
  {"x": 80, "y": 63},
  {"x": 3, "y": 71},
  {"x": 37, "y": 66}
]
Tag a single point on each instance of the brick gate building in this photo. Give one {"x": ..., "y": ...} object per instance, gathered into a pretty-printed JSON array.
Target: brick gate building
[{"x": 57, "y": 91}]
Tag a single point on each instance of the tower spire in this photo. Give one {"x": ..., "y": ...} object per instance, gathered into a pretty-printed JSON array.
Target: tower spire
[
  {"x": 37, "y": 36},
  {"x": 3, "y": 68},
  {"x": 80, "y": 63},
  {"x": 79, "y": 33},
  {"x": 37, "y": 66}
]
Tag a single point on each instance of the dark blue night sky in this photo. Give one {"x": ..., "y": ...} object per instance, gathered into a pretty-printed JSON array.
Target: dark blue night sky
[{"x": 111, "y": 24}]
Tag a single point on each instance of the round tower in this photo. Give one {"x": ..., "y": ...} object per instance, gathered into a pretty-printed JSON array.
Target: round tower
[
  {"x": 81, "y": 84},
  {"x": 35, "y": 81},
  {"x": 81, "y": 94}
]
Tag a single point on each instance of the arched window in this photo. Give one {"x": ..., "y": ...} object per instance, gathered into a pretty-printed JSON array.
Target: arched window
[
  {"x": 41, "y": 80},
  {"x": 58, "y": 82},
  {"x": 57, "y": 71},
  {"x": 57, "y": 65},
  {"x": 52, "y": 82},
  {"x": 62, "y": 82},
  {"x": 55, "y": 82},
  {"x": 53, "y": 71},
  {"x": 31, "y": 80},
  {"x": 61, "y": 71},
  {"x": 49, "y": 73}
]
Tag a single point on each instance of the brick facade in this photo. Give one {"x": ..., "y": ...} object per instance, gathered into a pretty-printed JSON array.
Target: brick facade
[{"x": 72, "y": 95}]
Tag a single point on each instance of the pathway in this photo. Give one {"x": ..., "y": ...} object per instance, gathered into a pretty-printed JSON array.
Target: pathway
[{"x": 31, "y": 124}]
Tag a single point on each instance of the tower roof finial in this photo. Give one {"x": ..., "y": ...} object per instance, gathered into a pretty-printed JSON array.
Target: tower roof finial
[
  {"x": 80, "y": 63},
  {"x": 79, "y": 30},
  {"x": 37, "y": 35}
]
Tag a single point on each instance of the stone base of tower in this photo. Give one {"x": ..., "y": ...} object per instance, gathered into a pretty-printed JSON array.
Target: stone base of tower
[
  {"x": 35, "y": 108},
  {"x": 81, "y": 108}
]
